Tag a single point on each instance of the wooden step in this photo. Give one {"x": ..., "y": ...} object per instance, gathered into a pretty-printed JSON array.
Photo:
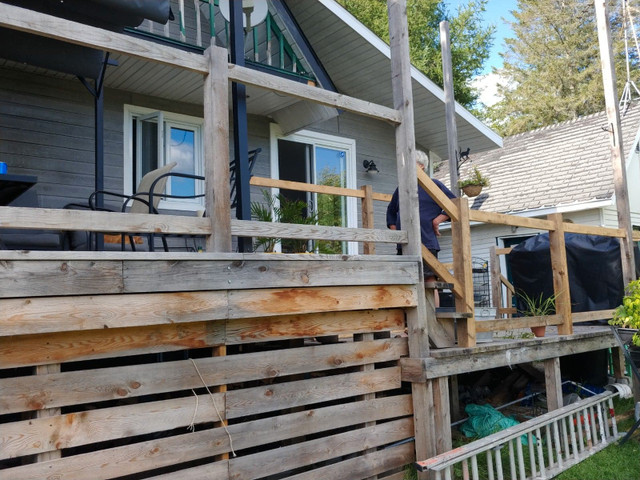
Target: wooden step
[{"x": 455, "y": 315}]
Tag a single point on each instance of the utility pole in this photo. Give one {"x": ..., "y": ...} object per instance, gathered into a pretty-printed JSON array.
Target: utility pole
[
  {"x": 450, "y": 107},
  {"x": 615, "y": 136}
]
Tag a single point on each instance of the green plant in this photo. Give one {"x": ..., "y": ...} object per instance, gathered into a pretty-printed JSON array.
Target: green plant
[
  {"x": 537, "y": 306},
  {"x": 476, "y": 178},
  {"x": 627, "y": 315},
  {"x": 278, "y": 208}
]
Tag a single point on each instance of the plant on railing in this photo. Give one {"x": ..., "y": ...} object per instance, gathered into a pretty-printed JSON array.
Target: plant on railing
[
  {"x": 472, "y": 186},
  {"x": 280, "y": 209},
  {"x": 627, "y": 315},
  {"x": 537, "y": 306}
]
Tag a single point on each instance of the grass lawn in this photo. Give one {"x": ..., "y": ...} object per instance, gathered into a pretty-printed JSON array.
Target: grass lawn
[{"x": 616, "y": 462}]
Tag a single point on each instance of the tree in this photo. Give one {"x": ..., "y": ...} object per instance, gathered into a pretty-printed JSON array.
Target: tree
[
  {"x": 552, "y": 67},
  {"x": 470, "y": 41}
]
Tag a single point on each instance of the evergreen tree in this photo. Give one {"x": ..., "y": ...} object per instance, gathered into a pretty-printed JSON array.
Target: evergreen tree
[
  {"x": 552, "y": 69},
  {"x": 470, "y": 41}
]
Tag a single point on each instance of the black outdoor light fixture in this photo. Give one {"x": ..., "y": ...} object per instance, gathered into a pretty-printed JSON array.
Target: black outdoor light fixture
[{"x": 370, "y": 166}]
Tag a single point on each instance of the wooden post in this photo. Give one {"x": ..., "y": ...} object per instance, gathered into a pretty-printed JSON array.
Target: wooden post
[
  {"x": 216, "y": 150},
  {"x": 442, "y": 414},
  {"x": 553, "y": 383},
  {"x": 410, "y": 217},
  {"x": 48, "y": 412},
  {"x": 496, "y": 283},
  {"x": 450, "y": 106},
  {"x": 462, "y": 269},
  {"x": 618, "y": 362},
  {"x": 369, "y": 248},
  {"x": 615, "y": 137},
  {"x": 220, "y": 351},
  {"x": 560, "y": 272}
]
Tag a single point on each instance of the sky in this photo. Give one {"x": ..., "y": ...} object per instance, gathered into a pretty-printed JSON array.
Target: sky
[{"x": 496, "y": 10}]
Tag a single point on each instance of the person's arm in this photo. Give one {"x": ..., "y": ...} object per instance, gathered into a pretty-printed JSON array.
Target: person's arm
[{"x": 443, "y": 217}]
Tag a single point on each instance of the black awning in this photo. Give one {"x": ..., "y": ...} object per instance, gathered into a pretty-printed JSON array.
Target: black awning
[{"x": 74, "y": 59}]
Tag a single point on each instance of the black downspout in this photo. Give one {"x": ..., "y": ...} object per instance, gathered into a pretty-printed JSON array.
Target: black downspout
[
  {"x": 97, "y": 91},
  {"x": 240, "y": 137}
]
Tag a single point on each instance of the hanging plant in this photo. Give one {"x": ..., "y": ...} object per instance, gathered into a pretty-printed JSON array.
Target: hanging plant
[{"x": 473, "y": 185}]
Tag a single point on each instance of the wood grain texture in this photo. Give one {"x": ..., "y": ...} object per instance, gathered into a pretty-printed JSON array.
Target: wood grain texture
[
  {"x": 461, "y": 240},
  {"x": 136, "y": 380},
  {"x": 282, "y": 301},
  {"x": 244, "y": 330},
  {"x": 319, "y": 450},
  {"x": 511, "y": 220},
  {"x": 252, "y": 228},
  {"x": 76, "y": 313},
  {"x": 317, "y": 95},
  {"x": 68, "y": 277},
  {"x": 560, "y": 273},
  {"x": 216, "y": 150},
  {"x": 39, "y": 349},
  {"x": 278, "y": 396},
  {"x": 82, "y": 34}
]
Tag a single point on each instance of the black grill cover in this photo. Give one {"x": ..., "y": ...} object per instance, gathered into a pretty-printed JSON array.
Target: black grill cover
[{"x": 595, "y": 270}]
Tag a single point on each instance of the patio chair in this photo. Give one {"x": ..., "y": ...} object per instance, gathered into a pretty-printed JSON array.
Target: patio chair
[{"x": 139, "y": 202}]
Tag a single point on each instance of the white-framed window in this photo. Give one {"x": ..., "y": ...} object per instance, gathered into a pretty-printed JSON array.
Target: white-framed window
[
  {"x": 155, "y": 138},
  {"x": 322, "y": 159}
]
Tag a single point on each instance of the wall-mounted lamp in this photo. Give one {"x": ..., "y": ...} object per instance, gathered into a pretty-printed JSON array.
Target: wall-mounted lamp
[{"x": 370, "y": 166}]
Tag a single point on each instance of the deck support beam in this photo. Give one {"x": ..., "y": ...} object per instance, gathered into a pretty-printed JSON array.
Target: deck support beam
[{"x": 553, "y": 383}]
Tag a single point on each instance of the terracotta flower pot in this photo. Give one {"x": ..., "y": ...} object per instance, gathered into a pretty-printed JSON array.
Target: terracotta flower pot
[
  {"x": 472, "y": 190},
  {"x": 539, "y": 331}
]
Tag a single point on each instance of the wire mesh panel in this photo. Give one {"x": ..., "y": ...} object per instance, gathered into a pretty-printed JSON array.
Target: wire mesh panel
[{"x": 481, "y": 287}]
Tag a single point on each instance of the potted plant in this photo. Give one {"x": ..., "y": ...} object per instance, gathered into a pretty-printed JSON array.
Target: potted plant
[
  {"x": 537, "y": 307},
  {"x": 627, "y": 315},
  {"x": 278, "y": 208},
  {"x": 472, "y": 186}
]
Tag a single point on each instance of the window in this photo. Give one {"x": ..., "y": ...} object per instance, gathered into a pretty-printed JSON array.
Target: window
[
  {"x": 155, "y": 138},
  {"x": 321, "y": 159}
]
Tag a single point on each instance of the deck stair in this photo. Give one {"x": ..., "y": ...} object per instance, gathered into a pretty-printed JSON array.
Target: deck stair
[
  {"x": 556, "y": 441},
  {"x": 442, "y": 326}
]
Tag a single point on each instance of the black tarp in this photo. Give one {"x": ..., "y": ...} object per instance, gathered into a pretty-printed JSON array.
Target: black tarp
[
  {"x": 594, "y": 264},
  {"x": 75, "y": 59}
]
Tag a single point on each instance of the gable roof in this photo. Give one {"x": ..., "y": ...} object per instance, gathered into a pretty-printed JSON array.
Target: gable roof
[
  {"x": 564, "y": 164},
  {"x": 359, "y": 65}
]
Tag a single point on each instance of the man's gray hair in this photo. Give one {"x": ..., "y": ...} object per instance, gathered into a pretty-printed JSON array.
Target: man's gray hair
[{"x": 422, "y": 157}]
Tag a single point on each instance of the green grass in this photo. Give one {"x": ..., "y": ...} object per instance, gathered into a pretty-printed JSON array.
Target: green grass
[{"x": 616, "y": 462}]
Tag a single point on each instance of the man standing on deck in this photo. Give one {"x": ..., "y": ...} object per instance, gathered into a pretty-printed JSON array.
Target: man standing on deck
[{"x": 431, "y": 216}]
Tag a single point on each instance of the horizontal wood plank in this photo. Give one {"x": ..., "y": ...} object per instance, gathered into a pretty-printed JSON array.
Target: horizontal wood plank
[
  {"x": 511, "y": 220},
  {"x": 319, "y": 450},
  {"x": 41, "y": 349},
  {"x": 287, "y": 301},
  {"x": 247, "y": 228},
  {"x": 106, "y": 222},
  {"x": 360, "y": 467},
  {"x": 277, "y": 271},
  {"x": 278, "y": 396},
  {"x": 19, "y": 394},
  {"x": 579, "y": 317},
  {"x": 75, "y": 313},
  {"x": 82, "y": 34},
  {"x": 311, "y": 187},
  {"x": 317, "y": 95},
  {"x": 516, "y": 322},
  {"x": 34, "y": 278},
  {"x": 594, "y": 230}
]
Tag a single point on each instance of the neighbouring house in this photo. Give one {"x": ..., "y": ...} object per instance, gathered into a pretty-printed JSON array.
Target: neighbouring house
[{"x": 564, "y": 168}]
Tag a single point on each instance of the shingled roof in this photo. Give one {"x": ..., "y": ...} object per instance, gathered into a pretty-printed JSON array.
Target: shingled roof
[{"x": 567, "y": 163}]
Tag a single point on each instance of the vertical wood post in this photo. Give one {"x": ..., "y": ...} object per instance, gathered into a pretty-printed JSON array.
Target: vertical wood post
[
  {"x": 462, "y": 269},
  {"x": 618, "y": 362},
  {"x": 369, "y": 248},
  {"x": 553, "y": 383},
  {"x": 450, "y": 106},
  {"x": 615, "y": 138},
  {"x": 216, "y": 150},
  {"x": 422, "y": 393},
  {"x": 442, "y": 414},
  {"x": 560, "y": 272},
  {"x": 48, "y": 412},
  {"x": 220, "y": 351},
  {"x": 496, "y": 283}
]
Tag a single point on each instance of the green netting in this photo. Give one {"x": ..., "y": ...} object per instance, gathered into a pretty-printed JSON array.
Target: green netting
[{"x": 485, "y": 420}]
